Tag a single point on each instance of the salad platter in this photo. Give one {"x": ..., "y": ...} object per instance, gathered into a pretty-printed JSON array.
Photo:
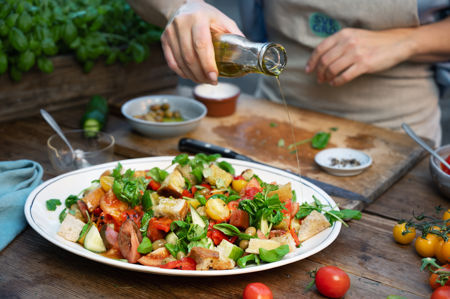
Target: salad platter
[{"x": 47, "y": 221}]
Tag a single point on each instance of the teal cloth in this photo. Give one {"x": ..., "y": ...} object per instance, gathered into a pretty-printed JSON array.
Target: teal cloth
[{"x": 17, "y": 180}]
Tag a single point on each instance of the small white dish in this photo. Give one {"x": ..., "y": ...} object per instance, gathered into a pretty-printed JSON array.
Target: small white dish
[{"x": 343, "y": 161}]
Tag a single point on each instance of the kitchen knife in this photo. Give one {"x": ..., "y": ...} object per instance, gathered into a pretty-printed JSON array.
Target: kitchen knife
[{"x": 196, "y": 146}]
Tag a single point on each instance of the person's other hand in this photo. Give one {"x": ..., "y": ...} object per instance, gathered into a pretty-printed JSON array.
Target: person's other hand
[
  {"x": 187, "y": 41},
  {"x": 350, "y": 53}
]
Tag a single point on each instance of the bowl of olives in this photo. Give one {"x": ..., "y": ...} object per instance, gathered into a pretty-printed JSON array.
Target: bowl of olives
[{"x": 163, "y": 116}]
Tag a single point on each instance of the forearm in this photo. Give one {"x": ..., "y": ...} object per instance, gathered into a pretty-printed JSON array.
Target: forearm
[
  {"x": 156, "y": 12},
  {"x": 431, "y": 43}
]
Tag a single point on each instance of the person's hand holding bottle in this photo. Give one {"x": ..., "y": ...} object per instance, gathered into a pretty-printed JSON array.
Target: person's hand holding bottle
[{"x": 187, "y": 41}]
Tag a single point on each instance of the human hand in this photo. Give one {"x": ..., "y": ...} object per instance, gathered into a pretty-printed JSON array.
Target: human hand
[
  {"x": 350, "y": 53},
  {"x": 187, "y": 41}
]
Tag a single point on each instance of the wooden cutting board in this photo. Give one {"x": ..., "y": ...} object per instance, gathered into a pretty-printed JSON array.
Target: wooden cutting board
[{"x": 249, "y": 132}]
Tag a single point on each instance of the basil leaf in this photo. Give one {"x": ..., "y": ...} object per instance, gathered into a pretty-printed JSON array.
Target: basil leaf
[
  {"x": 350, "y": 214},
  {"x": 320, "y": 140},
  {"x": 273, "y": 255},
  {"x": 201, "y": 199},
  {"x": 243, "y": 261},
  {"x": 146, "y": 201},
  {"x": 145, "y": 246},
  {"x": 181, "y": 159},
  {"x": 62, "y": 215},
  {"x": 226, "y": 166},
  {"x": 145, "y": 220},
  {"x": 173, "y": 249},
  {"x": 157, "y": 174},
  {"x": 196, "y": 232},
  {"x": 231, "y": 230},
  {"x": 70, "y": 200},
  {"x": 52, "y": 204}
]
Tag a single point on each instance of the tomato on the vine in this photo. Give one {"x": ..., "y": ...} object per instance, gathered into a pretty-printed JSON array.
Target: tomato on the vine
[
  {"x": 400, "y": 236},
  {"x": 446, "y": 216},
  {"x": 441, "y": 293},
  {"x": 332, "y": 282},
  {"x": 442, "y": 250},
  {"x": 426, "y": 247},
  {"x": 257, "y": 290},
  {"x": 434, "y": 276}
]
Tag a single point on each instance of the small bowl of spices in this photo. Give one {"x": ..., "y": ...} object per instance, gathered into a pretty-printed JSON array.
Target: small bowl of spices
[{"x": 343, "y": 161}]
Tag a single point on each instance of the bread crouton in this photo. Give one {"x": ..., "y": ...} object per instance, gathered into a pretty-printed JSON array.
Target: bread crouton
[
  {"x": 172, "y": 185},
  {"x": 175, "y": 209},
  {"x": 186, "y": 172},
  {"x": 70, "y": 228},
  {"x": 218, "y": 177},
  {"x": 204, "y": 257},
  {"x": 313, "y": 224}
]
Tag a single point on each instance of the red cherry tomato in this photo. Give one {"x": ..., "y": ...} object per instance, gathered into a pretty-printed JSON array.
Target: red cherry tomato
[
  {"x": 434, "y": 277},
  {"x": 445, "y": 169},
  {"x": 332, "y": 282},
  {"x": 441, "y": 293},
  {"x": 257, "y": 290}
]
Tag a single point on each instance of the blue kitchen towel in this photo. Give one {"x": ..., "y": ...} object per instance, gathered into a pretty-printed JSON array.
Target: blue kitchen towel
[{"x": 17, "y": 180}]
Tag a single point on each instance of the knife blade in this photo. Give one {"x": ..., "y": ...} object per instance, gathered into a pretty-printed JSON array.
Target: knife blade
[{"x": 196, "y": 146}]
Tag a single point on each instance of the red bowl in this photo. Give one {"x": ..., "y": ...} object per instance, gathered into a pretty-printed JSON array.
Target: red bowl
[{"x": 220, "y": 99}]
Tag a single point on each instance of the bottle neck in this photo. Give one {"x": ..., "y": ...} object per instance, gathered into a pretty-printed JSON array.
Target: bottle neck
[{"x": 272, "y": 59}]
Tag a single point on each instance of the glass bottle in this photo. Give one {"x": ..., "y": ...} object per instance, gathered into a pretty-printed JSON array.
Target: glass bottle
[{"x": 236, "y": 56}]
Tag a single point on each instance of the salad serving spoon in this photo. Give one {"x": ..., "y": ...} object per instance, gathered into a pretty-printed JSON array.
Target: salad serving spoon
[{"x": 423, "y": 144}]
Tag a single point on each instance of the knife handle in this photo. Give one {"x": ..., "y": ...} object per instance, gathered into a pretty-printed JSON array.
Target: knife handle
[{"x": 196, "y": 146}]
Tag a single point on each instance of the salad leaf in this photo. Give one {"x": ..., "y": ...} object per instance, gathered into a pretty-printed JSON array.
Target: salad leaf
[
  {"x": 157, "y": 174},
  {"x": 205, "y": 243},
  {"x": 145, "y": 220},
  {"x": 231, "y": 230},
  {"x": 196, "y": 232},
  {"x": 226, "y": 166},
  {"x": 242, "y": 261},
  {"x": 273, "y": 255},
  {"x": 52, "y": 204},
  {"x": 181, "y": 159},
  {"x": 146, "y": 201},
  {"x": 320, "y": 140},
  {"x": 70, "y": 200},
  {"x": 127, "y": 187}
]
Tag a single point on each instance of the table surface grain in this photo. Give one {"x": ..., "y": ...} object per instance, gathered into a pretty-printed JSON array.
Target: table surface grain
[{"x": 32, "y": 267}]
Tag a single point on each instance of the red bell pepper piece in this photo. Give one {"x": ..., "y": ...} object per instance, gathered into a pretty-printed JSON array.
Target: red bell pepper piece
[
  {"x": 157, "y": 227},
  {"x": 187, "y": 193},
  {"x": 154, "y": 185}
]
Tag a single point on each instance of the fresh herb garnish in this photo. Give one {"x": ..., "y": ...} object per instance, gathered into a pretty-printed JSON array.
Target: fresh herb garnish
[
  {"x": 332, "y": 215},
  {"x": 318, "y": 141},
  {"x": 52, "y": 204},
  {"x": 127, "y": 187},
  {"x": 145, "y": 246},
  {"x": 157, "y": 174},
  {"x": 231, "y": 230},
  {"x": 226, "y": 166},
  {"x": 273, "y": 255},
  {"x": 243, "y": 261},
  {"x": 198, "y": 163}
]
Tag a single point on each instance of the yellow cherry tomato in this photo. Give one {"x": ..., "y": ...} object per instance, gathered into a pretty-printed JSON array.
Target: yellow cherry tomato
[
  {"x": 400, "y": 236},
  {"x": 442, "y": 251},
  {"x": 106, "y": 182},
  {"x": 426, "y": 247},
  {"x": 238, "y": 185},
  {"x": 446, "y": 216},
  {"x": 217, "y": 209}
]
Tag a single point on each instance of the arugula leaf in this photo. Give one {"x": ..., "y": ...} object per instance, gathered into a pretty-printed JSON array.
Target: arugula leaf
[
  {"x": 71, "y": 200},
  {"x": 196, "y": 232},
  {"x": 52, "y": 204},
  {"x": 145, "y": 220},
  {"x": 172, "y": 248},
  {"x": 146, "y": 201},
  {"x": 62, "y": 215},
  {"x": 129, "y": 188},
  {"x": 243, "y": 261},
  {"x": 181, "y": 159}
]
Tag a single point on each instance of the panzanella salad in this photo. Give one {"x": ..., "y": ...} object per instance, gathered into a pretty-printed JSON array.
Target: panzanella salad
[{"x": 200, "y": 216}]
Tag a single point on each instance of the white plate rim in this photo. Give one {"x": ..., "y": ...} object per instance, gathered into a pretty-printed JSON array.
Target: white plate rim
[{"x": 332, "y": 234}]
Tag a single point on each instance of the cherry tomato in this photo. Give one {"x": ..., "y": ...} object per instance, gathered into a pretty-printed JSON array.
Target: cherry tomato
[
  {"x": 426, "y": 247},
  {"x": 446, "y": 216},
  {"x": 332, "y": 282},
  {"x": 442, "y": 250},
  {"x": 441, "y": 293},
  {"x": 401, "y": 238},
  {"x": 257, "y": 290},
  {"x": 445, "y": 169},
  {"x": 434, "y": 276}
]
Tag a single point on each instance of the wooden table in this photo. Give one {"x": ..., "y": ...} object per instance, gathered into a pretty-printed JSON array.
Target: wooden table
[{"x": 32, "y": 267}]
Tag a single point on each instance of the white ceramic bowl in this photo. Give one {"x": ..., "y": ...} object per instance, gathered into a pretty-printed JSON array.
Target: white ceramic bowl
[
  {"x": 191, "y": 110},
  {"x": 440, "y": 178},
  {"x": 343, "y": 161}
]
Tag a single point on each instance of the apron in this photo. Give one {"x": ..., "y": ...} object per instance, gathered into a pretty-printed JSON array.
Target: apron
[{"x": 404, "y": 93}]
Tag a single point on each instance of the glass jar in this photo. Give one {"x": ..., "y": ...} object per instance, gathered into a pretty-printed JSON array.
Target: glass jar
[{"x": 236, "y": 56}]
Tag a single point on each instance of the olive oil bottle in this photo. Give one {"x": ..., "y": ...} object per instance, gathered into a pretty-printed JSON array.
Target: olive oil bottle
[{"x": 237, "y": 56}]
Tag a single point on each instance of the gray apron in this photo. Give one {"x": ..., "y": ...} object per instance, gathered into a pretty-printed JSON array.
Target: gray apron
[{"x": 404, "y": 93}]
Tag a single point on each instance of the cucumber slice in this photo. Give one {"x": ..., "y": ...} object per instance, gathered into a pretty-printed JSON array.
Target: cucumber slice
[
  {"x": 264, "y": 226},
  {"x": 93, "y": 241},
  {"x": 171, "y": 238},
  {"x": 196, "y": 218},
  {"x": 229, "y": 250}
]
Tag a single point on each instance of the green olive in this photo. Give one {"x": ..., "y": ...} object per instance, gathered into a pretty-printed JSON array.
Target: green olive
[
  {"x": 251, "y": 231},
  {"x": 158, "y": 244},
  {"x": 243, "y": 244}
]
